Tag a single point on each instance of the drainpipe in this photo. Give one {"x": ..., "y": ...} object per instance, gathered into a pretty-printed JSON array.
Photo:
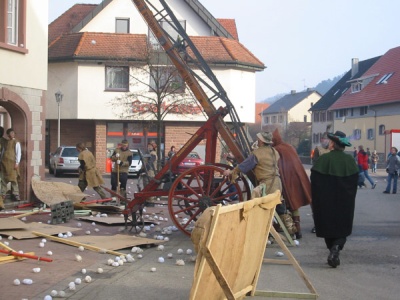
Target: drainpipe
[{"x": 374, "y": 126}]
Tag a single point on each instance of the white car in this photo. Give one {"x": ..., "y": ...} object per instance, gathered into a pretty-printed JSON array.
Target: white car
[{"x": 136, "y": 164}]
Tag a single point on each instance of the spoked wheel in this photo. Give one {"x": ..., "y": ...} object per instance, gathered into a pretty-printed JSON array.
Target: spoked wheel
[
  {"x": 134, "y": 218},
  {"x": 199, "y": 188}
]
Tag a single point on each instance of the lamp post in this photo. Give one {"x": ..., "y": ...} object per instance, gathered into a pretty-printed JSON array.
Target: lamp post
[{"x": 59, "y": 97}]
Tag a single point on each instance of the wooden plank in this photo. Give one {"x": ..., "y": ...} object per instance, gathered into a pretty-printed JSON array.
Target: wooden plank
[
  {"x": 8, "y": 259},
  {"x": 274, "y": 294}
]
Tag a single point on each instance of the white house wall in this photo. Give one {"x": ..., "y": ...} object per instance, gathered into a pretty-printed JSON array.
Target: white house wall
[
  {"x": 297, "y": 113},
  {"x": 33, "y": 64},
  {"x": 105, "y": 20}
]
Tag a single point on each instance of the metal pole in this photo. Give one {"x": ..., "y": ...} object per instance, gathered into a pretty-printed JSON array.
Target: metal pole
[{"x": 58, "y": 140}]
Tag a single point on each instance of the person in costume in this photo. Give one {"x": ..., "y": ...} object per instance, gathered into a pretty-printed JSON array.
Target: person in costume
[
  {"x": 295, "y": 182},
  {"x": 334, "y": 178}
]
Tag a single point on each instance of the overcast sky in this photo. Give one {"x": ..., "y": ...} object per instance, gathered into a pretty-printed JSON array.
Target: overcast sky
[{"x": 301, "y": 42}]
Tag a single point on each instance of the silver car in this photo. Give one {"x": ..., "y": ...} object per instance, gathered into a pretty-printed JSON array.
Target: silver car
[{"x": 64, "y": 160}]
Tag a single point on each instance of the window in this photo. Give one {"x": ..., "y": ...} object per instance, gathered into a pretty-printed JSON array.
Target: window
[
  {"x": 329, "y": 116},
  {"x": 351, "y": 112},
  {"x": 357, "y": 134},
  {"x": 322, "y": 116},
  {"x": 266, "y": 120},
  {"x": 13, "y": 25},
  {"x": 381, "y": 129},
  {"x": 280, "y": 119},
  {"x": 166, "y": 79},
  {"x": 117, "y": 79},
  {"x": 122, "y": 25},
  {"x": 384, "y": 78},
  {"x": 356, "y": 87},
  {"x": 370, "y": 134},
  {"x": 316, "y": 116},
  {"x": 305, "y": 118},
  {"x": 363, "y": 110},
  {"x": 273, "y": 119},
  {"x": 170, "y": 30}
]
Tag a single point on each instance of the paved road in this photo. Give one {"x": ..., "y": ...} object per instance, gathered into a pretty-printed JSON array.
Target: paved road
[{"x": 370, "y": 266}]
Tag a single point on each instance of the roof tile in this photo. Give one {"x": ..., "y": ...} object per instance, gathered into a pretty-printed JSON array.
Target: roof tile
[{"x": 230, "y": 26}]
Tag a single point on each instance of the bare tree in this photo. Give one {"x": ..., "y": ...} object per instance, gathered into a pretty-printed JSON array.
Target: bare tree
[{"x": 157, "y": 90}]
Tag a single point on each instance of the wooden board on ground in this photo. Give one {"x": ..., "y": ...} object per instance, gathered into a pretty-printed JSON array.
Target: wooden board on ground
[
  {"x": 34, "y": 226},
  {"x": 109, "y": 220},
  {"x": 230, "y": 242},
  {"x": 11, "y": 223},
  {"x": 114, "y": 242},
  {"x": 56, "y": 192}
]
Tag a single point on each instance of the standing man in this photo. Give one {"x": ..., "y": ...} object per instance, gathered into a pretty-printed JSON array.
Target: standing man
[
  {"x": 88, "y": 173},
  {"x": 122, "y": 158},
  {"x": 296, "y": 184},
  {"x": 10, "y": 165},
  {"x": 392, "y": 168},
  {"x": 334, "y": 179},
  {"x": 3, "y": 143}
]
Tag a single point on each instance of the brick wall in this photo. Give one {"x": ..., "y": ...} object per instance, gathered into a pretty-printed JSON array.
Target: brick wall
[{"x": 100, "y": 151}]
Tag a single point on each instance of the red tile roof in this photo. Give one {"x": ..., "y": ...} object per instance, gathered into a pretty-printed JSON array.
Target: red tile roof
[
  {"x": 230, "y": 26},
  {"x": 375, "y": 94},
  {"x": 106, "y": 46},
  {"x": 69, "y": 19},
  {"x": 260, "y": 107}
]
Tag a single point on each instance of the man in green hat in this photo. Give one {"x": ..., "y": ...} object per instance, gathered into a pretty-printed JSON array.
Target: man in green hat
[{"x": 334, "y": 179}]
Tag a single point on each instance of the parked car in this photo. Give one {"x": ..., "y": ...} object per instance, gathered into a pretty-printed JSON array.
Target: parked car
[
  {"x": 192, "y": 160},
  {"x": 64, "y": 160},
  {"x": 136, "y": 164}
]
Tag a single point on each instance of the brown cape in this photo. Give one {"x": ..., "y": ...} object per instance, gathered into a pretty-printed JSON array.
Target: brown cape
[{"x": 295, "y": 182}]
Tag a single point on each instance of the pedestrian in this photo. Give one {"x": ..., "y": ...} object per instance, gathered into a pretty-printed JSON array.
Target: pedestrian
[
  {"x": 392, "y": 168},
  {"x": 374, "y": 161},
  {"x": 149, "y": 170},
  {"x": 369, "y": 155},
  {"x": 89, "y": 175},
  {"x": 362, "y": 159},
  {"x": 355, "y": 153},
  {"x": 171, "y": 152},
  {"x": 3, "y": 143},
  {"x": 122, "y": 158},
  {"x": 10, "y": 165},
  {"x": 321, "y": 149},
  {"x": 296, "y": 187},
  {"x": 334, "y": 187}
]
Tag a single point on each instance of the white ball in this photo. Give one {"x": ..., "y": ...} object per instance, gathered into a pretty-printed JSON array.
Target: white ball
[
  {"x": 53, "y": 293},
  {"x": 36, "y": 270},
  {"x": 296, "y": 242},
  {"x": 41, "y": 245},
  {"x": 17, "y": 282},
  {"x": 278, "y": 253},
  {"x": 27, "y": 281},
  {"x": 79, "y": 225},
  {"x": 88, "y": 279},
  {"x": 161, "y": 259},
  {"x": 179, "y": 251},
  {"x": 10, "y": 237},
  {"x": 44, "y": 241},
  {"x": 87, "y": 232},
  {"x": 153, "y": 269},
  {"x": 160, "y": 247},
  {"x": 49, "y": 253},
  {"x": 83, "y": 271},
  {"x": 99, "y": 270},
  {"x": 96, "y": 229},
  {"x": 69, "y": 234},
  {"x": 78, "y": 281},
  {"x": 169, "y": 255},
  {"x": 81, "y": 248},
  {"x": 61, "y": 294},
  {"x": 189, "y": 251},
  {"x": 140, "y": 256},
  {"x": 48, "y": 297}
]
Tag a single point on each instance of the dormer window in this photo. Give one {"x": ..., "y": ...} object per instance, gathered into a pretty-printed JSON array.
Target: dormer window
[
  {"x": 356, "y": 87},
  {"x": 122, "y": 25},
  {"x": 384, "y": 79}
]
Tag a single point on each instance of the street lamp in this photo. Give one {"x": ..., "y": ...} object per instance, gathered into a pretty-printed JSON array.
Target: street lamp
[{"x": 59, "y": 97}]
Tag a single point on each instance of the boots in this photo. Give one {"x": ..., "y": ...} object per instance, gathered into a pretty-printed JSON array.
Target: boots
[
  {"x": 1, "y": 203},
  {"x": 333, "y": 258},
  {"x": 296, "y": 221}
]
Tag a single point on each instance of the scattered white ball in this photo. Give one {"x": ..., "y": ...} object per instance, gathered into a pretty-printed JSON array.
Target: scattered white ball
[
  {"x": 142, "y": 234},
  {"x": 72, "y": 286},
  {"x": 169, "y": 255},
  {"x": 96, "y": 229},
  {"x": 83, "y": 271},
  {"x": 44, "y": 241},
  {"x": 79, "y": 225},
  {"x": 60, "y": 235},
  {"x": 69, "y": 234},
  {"x": 87, "y": 232},
  {"x": 102, "y": 251},
  {"x": 180, "y": 262},
  {"x": 6, "y": 243},
  {"x": 53, "y": 293},
  {"x": 110, "y": 262},
  {"x": 48, "y": 297},
  {"x": 78, "y": 281},
  {"x": 115, "y": 264},
  {"x": 140, "y": 256},
  {"x": 88, "y": 279},
  {"x": 81, "y": 248},
  {"x": 36, "y": 270},
  {"x": 129, "y": 258},
  {"x": 27, "y": 281},
  {"x": 153, "y": 269},
  {"x": 100, "y": 270},
  {"x": 121, "y": 262},
  {"x": 189, "y": 251},
  {"x": 94, "y": 223},
  {"x": 41, "y": 245},
  {"x": 61, "y": 294},
  {"x": 160, "y": 248},
  {"x": 179, "y": 251},
  {"x": 296, "y": 242},
  {"x": 134, "y": 249},
  {"x": 10, "y": 237},
  {"x": 65, "y": 236},
  {"x": 117, "y": 258},
  {"x": 78, "y": 258},
  {"x": 278, "y": 253},
  {"x": 17, "y": 282},
  {"x": 166, "y": 239},
  {"x": 161, "y": 259}
]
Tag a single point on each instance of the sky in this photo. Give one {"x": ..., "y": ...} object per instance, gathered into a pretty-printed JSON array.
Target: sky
[{"x": 301, "y": 42}]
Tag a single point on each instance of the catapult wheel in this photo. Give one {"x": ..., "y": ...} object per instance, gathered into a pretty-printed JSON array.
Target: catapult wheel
[
  {"x": 134, "y": 218},
  {"x": 199, "y": 188}
]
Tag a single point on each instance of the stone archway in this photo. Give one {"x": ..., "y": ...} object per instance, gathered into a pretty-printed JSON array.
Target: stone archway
[{"x": 21, "y": 120}]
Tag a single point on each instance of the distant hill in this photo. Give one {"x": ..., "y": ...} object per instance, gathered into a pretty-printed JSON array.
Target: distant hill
[{"x": 321, "y": 88}]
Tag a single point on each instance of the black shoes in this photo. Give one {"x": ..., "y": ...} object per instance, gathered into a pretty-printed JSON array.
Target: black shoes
[
  {"x": 386, "y": 192},
  {"x": 333, "y": 258},
  {"x": 374, "y": 186}
]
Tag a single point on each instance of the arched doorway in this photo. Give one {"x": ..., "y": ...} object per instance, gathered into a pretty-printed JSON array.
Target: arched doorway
[{"x": 21, "y": 121}]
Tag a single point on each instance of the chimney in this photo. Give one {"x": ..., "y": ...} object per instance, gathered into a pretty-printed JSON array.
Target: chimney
[
  {"x": 354, "y": 67},
  {"x": 293, "y": 92}
]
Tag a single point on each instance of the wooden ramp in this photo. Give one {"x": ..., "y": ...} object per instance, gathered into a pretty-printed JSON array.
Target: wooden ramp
[{"x": 230, "y": 242}]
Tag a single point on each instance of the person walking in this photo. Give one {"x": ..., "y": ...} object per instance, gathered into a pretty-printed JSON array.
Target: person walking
[
  {"x": 374, "y": 161},
  {"x": 10, "y": 165},
  {"x": 89, "y": 175},
  {"x": 171, "y": 152},
  {"x": 3, "y": 144},
  {"x": 295, "y": 182},
  {"x": 362, "y": 159},
  {"x": 392, "y": 168},
  {"x": 334, "y": 178},
  {"x": 122, "y": 158}
]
